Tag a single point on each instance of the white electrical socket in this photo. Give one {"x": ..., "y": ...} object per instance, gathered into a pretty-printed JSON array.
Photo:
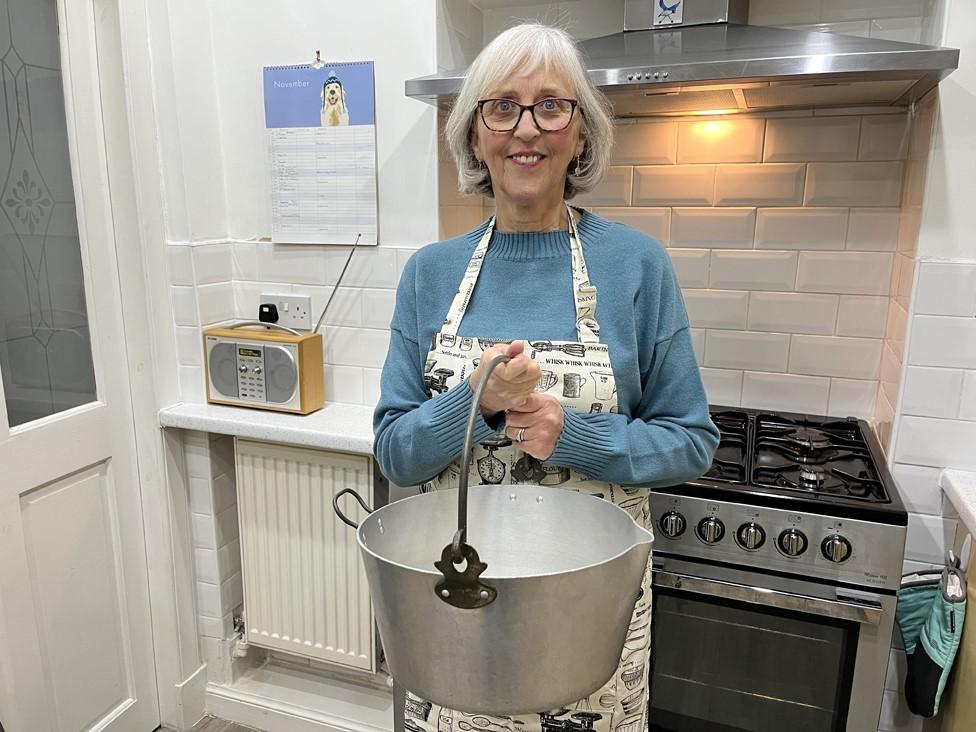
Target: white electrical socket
[{"x": 294, "y": 311}]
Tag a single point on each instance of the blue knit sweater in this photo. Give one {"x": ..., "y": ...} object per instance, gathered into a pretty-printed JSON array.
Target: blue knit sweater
[{"x": 662, "y": 434}]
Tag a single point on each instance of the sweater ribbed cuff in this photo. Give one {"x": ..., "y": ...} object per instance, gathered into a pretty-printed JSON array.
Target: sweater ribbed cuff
[
  {"x": 585, "y": 444},
  {"x": 449, "y": 412}
]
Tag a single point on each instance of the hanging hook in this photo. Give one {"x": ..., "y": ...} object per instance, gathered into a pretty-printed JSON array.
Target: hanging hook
[{"x": 318, "y": 61}]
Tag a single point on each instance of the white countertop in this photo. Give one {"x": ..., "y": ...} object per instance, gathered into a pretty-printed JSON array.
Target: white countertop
[
  {"x": 960, "y": 488},
  {"x": 344, "y": 427}
]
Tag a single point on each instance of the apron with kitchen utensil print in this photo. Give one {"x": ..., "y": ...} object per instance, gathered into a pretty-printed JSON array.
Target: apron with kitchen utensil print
[{"x": 580, "y": 376}]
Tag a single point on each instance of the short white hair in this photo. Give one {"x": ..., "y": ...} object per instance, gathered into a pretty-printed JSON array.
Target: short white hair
[{"x": 525, "y": 48}]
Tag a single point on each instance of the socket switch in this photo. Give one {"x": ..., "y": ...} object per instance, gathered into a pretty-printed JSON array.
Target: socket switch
[{"x": 294, "y": 311}]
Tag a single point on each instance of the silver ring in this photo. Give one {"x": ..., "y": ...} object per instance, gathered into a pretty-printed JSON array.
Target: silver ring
[{"x": 520, "y": 435}]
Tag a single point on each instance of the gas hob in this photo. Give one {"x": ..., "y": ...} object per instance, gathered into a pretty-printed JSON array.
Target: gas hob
[{"x": 789, "y": 493}]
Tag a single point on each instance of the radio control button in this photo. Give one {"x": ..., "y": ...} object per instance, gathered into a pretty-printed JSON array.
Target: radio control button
[
  {"x": 242, "y": 368},
  {"x": 257, "y": 369}
]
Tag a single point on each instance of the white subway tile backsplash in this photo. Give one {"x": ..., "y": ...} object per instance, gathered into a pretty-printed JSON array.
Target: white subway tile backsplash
[
  {"x": 224, "y": 491},
  {"x": 746, "y": 350},
  {"x": 180, "y": 264},
  {"x": 247, "y": 296},
  {"x": 752, "y": 270},
  {"x": 918, "y": 487},
  {"x": 184, "y": 306},
  {"x": 377, "y": 307},
  {"x": 832, "y": 10},
  {"x": 853, "y": 184},
  {"x": 192, "y": 387},
  {"x": 805, "y": 139},
  {"x": 713, "y": 227},
  {"x": 674, "y": 185},
  {"x": 785, "y": 392},
  {"x": 939, "y": 443},
  {"x": 801, "y": 228},
  {"x": 776, "y": 12},
  {"x": 723, "y": 386},
  {"x": 371, "y": 386},
  {"x": 717, "y": 308},
  {"x": 698, "y": 343},
  {"x": 786, "y": 312},
  {"x": 201, "y": 495},
  {"x": 943, "y": 341},
  {"x": 216, "y": 628},
  {"x": 931, "y": 392},
  {"x": 967, "y": 399},
  {"x": 189, "y": 346},
  {"x": 229, "y": 559},
  {"x": 721, "y": 140},
  {"x": 343, "y": 384},
  {"x": 212, "y": 263},
  {"x": 862, "y": 316},
  {"x": 928, "y": 537},
  {"x": 852, "y": 358},
  {"x": 651, "y": 143},
  {"x": 346, "y": 308},
  {"x": 690, "y": 266},
  {"x": 613, "y": 190},
  {"x": 204, "y": 531},
  {"x": 853, "y": 273},
  {"x": 205, "y": 563},
  {"x": 369, "y": 266},
  {"x": 766, "y": 184},
  {"x": 653, "y": 221},
  {"x": 852, "y": 398},
  {"x": 226, "y": 527},
  {"x": 208, "y": 598},
  {"x": 216, "y": 303},
  {"x": 884, "y": 137},
  {"x": 873, "y": 229},
  {"x": 946, "y": 289},
  {"x": 244, "y": 256},
  {"x": 355, "y": 346},
  {"x": 904, "y": 30},
  {"x": 291, "y": 263}
]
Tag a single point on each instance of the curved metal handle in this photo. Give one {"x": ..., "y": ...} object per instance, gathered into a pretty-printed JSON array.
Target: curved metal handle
[
  {"x": 266, "y": 325},
  {"x": 462, "y": 531},
  {"x": 340, "y": 514}
]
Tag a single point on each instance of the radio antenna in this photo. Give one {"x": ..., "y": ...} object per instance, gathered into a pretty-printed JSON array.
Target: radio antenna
[{"x": 338, "y": 282}]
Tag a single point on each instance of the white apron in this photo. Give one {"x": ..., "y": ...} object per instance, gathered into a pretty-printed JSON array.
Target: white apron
[{"x": 580, "y": 376}]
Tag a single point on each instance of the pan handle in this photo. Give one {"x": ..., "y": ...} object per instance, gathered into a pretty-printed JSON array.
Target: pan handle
[{"x": 340, "y": 514}]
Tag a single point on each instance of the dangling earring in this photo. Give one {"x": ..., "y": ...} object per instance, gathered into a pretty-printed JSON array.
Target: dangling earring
[{"x": 577, "y": 166}]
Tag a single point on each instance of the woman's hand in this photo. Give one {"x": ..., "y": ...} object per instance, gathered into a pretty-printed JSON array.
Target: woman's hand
[
  {"x": 541, "y": 421},
  {"x": 510, "y": 384}
]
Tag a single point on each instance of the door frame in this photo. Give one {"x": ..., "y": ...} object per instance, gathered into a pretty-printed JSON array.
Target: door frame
[{"x": 132, "y": 40}]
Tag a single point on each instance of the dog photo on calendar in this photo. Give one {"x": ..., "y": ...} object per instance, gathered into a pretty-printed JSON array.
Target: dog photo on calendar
[{"x": 334, "y": 111}]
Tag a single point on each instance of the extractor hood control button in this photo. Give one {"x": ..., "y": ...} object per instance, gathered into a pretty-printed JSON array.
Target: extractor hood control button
[
  {"x": 792, "y": 542},
  {"x": 750, "y": 536},
  {"x": 836, "y": 548},
  {"x": 711, "y": 530},
  {"x": 672, "y": 524}
]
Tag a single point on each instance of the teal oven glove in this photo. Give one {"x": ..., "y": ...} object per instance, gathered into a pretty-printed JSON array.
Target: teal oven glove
[{"x": 930, "y": 614}]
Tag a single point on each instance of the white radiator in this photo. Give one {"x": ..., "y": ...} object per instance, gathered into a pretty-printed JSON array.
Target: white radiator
[{"x": 305, "y": 591}]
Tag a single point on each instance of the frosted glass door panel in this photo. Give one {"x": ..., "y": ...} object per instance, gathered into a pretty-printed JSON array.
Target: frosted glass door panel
[{"x": 45, "y": 347}]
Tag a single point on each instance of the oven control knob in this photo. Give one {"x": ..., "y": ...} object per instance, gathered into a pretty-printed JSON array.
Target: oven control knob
[
  {"x": 711, "y": 530},
  {"x": 750, "y": 536},
  {"x": 672, "y": 524},
  {"x": 836, "y": 548},
  {"x": 792, "y": 542}
]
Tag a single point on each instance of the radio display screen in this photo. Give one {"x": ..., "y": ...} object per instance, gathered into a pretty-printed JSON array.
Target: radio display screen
[{"x": 253, "y": 352}]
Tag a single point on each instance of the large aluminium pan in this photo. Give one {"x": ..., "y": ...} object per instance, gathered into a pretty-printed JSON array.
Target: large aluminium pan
[{"x": 533, "y": 619}]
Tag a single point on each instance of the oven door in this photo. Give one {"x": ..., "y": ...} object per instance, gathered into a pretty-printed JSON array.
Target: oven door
[{"x": 737, "y": 651}]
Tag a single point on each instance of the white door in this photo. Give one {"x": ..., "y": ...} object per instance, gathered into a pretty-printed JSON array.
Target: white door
[{"x": 75, "y": 635}]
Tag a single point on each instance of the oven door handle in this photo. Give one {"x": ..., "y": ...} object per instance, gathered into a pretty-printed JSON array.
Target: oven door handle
[{"x": 862, "y": 611}]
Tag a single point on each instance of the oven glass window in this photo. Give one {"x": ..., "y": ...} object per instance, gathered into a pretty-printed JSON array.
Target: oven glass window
[{"x": 732, "y": 667}]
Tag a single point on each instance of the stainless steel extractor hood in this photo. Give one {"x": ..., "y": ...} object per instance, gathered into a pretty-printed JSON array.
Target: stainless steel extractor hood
[{"x": 706, "y": 64}]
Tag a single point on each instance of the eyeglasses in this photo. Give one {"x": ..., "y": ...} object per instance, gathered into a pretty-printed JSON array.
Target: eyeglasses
[{"x": 549, "y": 115}]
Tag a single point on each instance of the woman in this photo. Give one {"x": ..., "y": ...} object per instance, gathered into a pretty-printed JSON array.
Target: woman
[{"x": 599, "y": 396}]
